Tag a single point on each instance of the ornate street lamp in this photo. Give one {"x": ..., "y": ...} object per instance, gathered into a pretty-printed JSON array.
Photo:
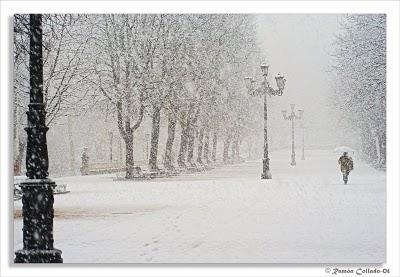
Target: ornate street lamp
[
  {"x": 293, "y": 117},
  {"x": 263, "y": 90},
  {"x": 37, "y": 191}
]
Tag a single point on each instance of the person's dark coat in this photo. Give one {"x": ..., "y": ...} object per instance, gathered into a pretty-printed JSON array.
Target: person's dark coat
[{"x": 346, "y": 163}]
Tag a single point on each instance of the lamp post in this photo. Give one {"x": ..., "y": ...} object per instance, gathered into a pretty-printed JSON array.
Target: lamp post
[
  {"x": 292, "y": 117},
  {"x": 263, "y": 90},
  {"x": 37, "y": 190}
]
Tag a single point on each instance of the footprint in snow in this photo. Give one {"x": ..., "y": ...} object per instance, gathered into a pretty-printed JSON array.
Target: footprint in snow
[{"x": 197, "y": 244}]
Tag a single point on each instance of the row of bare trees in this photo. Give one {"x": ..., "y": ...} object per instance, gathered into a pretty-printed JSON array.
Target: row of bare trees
[
  {"x": 187, "y": 68},
  {"x": 360, "y": 79}
]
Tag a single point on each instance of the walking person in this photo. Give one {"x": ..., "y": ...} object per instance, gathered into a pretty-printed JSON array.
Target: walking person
[{"x": 346, "y": 165}]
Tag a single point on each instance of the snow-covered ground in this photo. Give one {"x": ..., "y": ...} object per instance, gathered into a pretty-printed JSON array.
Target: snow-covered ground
[{"x": 303, "y": 215}]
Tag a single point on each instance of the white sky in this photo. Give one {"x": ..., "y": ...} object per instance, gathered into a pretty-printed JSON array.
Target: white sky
[{"x": 298, "y": 47}]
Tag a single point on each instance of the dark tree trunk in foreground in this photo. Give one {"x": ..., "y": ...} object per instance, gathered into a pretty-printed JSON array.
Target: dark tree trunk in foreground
[
  {"x": 200, "y": 146},
  {"x": 155, "y": 134},
  {"x": 170, "y": 142},
  {"x": 37, "y": 191},
  {"x": 214, "y": 147}
]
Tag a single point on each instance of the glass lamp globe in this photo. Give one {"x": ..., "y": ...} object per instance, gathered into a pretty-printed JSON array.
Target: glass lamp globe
[
  {"x": 280, "y": 81},
  {"x": 264, "y": 69}
]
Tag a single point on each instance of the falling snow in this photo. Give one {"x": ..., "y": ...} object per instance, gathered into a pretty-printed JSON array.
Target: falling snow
[{"x": 160, "y": 125}]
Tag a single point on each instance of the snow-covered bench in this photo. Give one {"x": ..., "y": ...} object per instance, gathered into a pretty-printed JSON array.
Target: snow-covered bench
[
  {"x": 101, "y": 168},
  {"x": 58, "y": 189}
]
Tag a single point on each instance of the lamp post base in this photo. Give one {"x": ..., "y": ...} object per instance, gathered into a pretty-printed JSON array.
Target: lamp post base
[
  {"x": 38, "y": 214},
  {"x": 293, "y": 163},
  {"x": 38, "y": 256}
]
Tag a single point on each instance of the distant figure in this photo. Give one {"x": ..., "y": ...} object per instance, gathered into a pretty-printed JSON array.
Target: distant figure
[
  {"x": 85, "y": 162},
  {"x": 346, "y": 165}
]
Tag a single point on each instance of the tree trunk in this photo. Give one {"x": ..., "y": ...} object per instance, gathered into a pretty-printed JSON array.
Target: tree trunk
[
  {"x": 71, "y": 148},
  {"x": 378, "y": 150},
  {"x": 206, "y": 148},
  {"x": 214, "y": 147},
  {"x": 383, "y": 148},
  {"x": 200, "y": 146},
  {"x": 120, "y": 151},
  {"x": 126, "y": 133},
  {"x": 182, "y": 146},
  {"x": 19, "y": 158},
  {"x": 16, "y": 141},
  {"x": 233, "y": 149},
  {"x": 371, "y": 145},
  {"x": 170, "y": 142},
  {"x": 380, "y": 145},
  {"x": 237, "y": 146},
  {"x": 129, "y": 155},
  {"x": 226, "y": 148},
  {"x": 155, "y": 134},
  {"x": 191, "y": 132},
  {"x": 249, "y": 148},
  {"x": 367, "y": 145}
]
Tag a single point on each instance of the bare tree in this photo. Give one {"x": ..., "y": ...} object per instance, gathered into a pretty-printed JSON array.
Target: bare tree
[
  {"x": 65, "y": 70},
  {"x": 125, "y": 55}
]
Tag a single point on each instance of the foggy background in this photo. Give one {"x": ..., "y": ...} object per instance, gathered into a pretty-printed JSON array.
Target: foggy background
[{"x": 299, "y": 46}]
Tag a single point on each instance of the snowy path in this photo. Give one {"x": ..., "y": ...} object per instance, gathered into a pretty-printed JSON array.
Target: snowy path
[{"x": 303, "y": 215}]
